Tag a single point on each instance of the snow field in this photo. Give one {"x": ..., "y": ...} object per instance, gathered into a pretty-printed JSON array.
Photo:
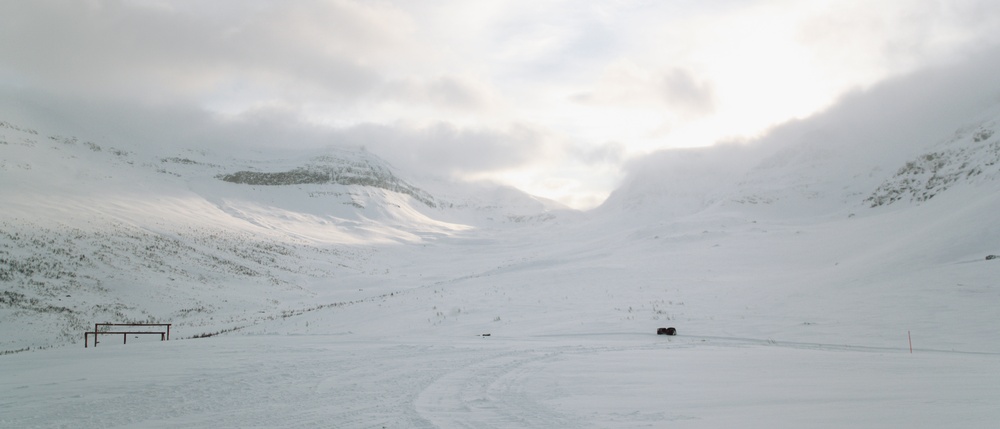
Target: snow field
[
  {"x": 775, "y": 331},
  {"x": 590, "y": 380}
]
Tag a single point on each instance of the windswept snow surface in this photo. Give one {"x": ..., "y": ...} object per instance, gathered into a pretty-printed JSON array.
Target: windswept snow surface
[{"x": 589, "y": 380}]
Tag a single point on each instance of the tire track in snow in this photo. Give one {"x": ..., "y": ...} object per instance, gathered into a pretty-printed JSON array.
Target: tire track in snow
[{"x": 490, "y": 393}]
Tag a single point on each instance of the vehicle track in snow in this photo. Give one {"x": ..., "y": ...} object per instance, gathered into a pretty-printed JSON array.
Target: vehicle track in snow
[
  {"x": 512, "y": 389},
  {"x": 490, "y": 394}
]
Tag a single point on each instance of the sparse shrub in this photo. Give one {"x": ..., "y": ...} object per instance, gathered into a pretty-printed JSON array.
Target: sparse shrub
[
  {"x": 930, "y": 174},
  {"x": 982, "y": 135},
  {"x": 119, "y": 152},
  {"x": 10, "y": 352}
]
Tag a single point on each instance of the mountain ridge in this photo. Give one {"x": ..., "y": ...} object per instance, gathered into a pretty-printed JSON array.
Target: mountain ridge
[{"x": 92, "y": 231}]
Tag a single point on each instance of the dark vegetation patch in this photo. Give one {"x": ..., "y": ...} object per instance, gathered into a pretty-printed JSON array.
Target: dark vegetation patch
[
  {"x": 933, "y": 173},
  {"x": 332, "y": 171}
]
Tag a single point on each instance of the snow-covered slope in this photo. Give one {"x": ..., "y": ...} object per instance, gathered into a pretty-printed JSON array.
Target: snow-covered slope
[{"x": 92, "y": 231}]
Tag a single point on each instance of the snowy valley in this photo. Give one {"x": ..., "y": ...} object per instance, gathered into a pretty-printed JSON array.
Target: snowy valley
[{"x": 327, "y": 289}]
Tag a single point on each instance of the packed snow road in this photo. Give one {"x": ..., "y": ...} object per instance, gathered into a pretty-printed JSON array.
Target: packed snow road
[{"x": 598, "y": 380}]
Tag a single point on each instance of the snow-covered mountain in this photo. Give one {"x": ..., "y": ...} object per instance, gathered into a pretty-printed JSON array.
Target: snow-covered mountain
[
  {"x": 93, "y": 231},
  {"x": 810, "y": 254},
  {"x": 285, "y": 185},
  {"x": 98, "y": 232}
]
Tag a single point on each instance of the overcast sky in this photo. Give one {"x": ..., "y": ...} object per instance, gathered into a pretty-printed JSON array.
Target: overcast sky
[{"x": 553, "y": 97}]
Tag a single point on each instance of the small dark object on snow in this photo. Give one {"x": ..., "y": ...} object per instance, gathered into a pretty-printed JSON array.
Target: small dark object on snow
[
  {"x": 991, "y": 257},
  {"x": 666, "y": 331},
  {"x": 486, "y": 335}
]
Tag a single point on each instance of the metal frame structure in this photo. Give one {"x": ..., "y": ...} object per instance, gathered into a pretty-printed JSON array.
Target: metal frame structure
[{"x": 164, "y": 335}]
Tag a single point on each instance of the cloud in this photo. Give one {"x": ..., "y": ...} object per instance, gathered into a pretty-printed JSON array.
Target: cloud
[
  {"x": 680, "y": 88},
  {"x": 855, "y": 143},
  {"x": 550, "y": 42},
  {"x": 442, "y": 148},
  {"x": 452, "y": 93},
  {"x": 330, "y": 49},
  {"x": 689, "y": 171},
  {"x": 467, "y": 88},
  {"x": 447, "y": 150},
  {"x": 610, "y": 153},
  {"x": 673, "y": 90},
  {"x": 898, "y": 34}
]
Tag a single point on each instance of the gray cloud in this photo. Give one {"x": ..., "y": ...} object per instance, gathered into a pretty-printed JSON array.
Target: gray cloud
[
  {"x": 446, "y": 87},
  {"x": 853, "y": 141},
  {"x": 914, "y": 110},
  {"x": 446, "y": 149},
  {"x": 447, "y": 92},
  {"x": 128, "y": 49},
  {"x": 680, "y": 89},
  {"x": 441, "y": 149}
]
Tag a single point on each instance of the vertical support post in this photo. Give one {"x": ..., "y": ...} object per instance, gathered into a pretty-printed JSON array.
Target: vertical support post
[
  {"x": 168, "y": 332},
  {"x": 85, "y": 338},
  {"x": 910, "y": 339},
  {"x": 95, "y": 335},
  {"x": 124, "y": 338}
]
